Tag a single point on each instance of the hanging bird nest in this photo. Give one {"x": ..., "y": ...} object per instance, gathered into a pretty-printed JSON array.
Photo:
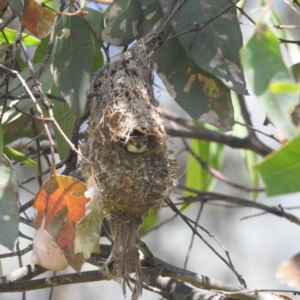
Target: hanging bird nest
[{"x": 127, "y": 143}]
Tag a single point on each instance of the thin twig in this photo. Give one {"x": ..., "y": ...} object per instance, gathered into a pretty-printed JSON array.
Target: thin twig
[
  {"x": 25, "y": 96},
  {"x": 17, "y": 253},
  {"x": 289, "y": 41},
  {"x": 26, "y": 206},
  {"x": 198, "y": 27},
  {"x": 274, "y": 26},
  {"x": 193, "y": 236},
  {"x": 37, "y": 143},
  {"x": 243, "y": 13},
  {"x": 185, "y": 219},
  {"x": 27, "y": 222},
  {"x": 57, "y": 166},
  {"x": 5, "y": 22},
  {"x": 209, "y": 196},
  {"x": 173, "y": 8},
  {"x": 257, "y": 130},
  {"x": 246, "y": 116}
]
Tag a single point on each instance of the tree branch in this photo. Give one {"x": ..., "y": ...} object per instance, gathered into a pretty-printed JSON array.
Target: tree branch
[
  {"x": 200, "y": 132},
  {"x": 24, "y": 273},
  {"x": 166, "y": 278},
  {"x": 208, "y": 196},
  {"x": 178, "y": 290},
  {"x": 53, "y": 281}
]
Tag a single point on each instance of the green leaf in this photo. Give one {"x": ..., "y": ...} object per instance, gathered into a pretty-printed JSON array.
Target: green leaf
[
  {"x": 264, "y": 65},
  {"x": 30, "y": 40},
  {"x": 122, "y": 18},
  {"x": 249, "y": 157},
  {"x": 10, "y": 34},
  {"x": 17, "y": 89},
  {"x": 281, "y": 169},
  {"x": 275, "y": 18},
  {"x": 9, "y": 199},
  {"x": 20, "y": 128},
  {"x": 73, "y": 54},
  {"x": 88, "y": 228},
  {"x": 196, "y": 176},
  {"x": 200, "y": 94},
  {"x": 88, "y": 231},
  {"x": 41, "y": 50},
  {"x": 10, "y": 115},
  {"x": 284, "y": 87},
  {"x": 17, "y": 6},
  {"x": 66, "y": 123},
  {"x": 98, "y": 62},
  {"x": 18, "y": 156},
  {"x": 46, "y": 81},
  {"x": 149, "y": 222},
  {"x": 95, "y": 19},
  {"x": 152, "y": 13},
  {"x": 215, "y": 48}
]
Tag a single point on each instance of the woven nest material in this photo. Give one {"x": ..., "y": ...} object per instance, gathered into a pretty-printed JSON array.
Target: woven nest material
[{"x": 131, "y": 183}]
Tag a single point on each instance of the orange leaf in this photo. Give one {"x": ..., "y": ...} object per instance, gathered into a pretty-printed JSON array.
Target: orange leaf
[
  {"x": 61, "y": 205},
  {"x": 37, "y": 19}
]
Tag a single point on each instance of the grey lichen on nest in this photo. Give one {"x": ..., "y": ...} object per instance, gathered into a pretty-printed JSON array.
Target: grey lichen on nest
[{"x": 132, "y": 184}]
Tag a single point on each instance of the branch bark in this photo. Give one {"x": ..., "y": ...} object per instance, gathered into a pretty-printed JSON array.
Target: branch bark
[
  {"x": 164, "y": 278},
  {"x": 200, "y": 132}
]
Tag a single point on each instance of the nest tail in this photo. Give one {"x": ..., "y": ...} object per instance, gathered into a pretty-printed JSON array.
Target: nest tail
[{"x": 126, "y": 254}]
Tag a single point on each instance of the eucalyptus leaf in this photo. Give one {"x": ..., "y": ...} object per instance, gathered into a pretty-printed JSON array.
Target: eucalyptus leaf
[
  {"x": 263, "y": 65},
  {"x": 95, "y": 19},
  {"x": 17, "y": 89},
  {"x": 152, "y": 13},
  {"x": 9, "y": 204},
  {"x": 65, "y": 119},
  {"x": 214, "y": 48},
  {"x": 197, "y": 177},
  {"x": 18, "y": 156},
  {"x": 122, "y": 19},
  {"x": 281, "y": 169},
  {"x": 73, "y": 54},
  {"x": 203, "y": 96},
  {"x": 249, "y": 157},
  {"x": 10, "y": 35},
  {"x": 17, "y": 6},
  {"x": 284, "y": 87}
]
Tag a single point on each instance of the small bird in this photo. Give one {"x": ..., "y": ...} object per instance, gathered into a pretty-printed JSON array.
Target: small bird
[{"x": 137, "y": 143}]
